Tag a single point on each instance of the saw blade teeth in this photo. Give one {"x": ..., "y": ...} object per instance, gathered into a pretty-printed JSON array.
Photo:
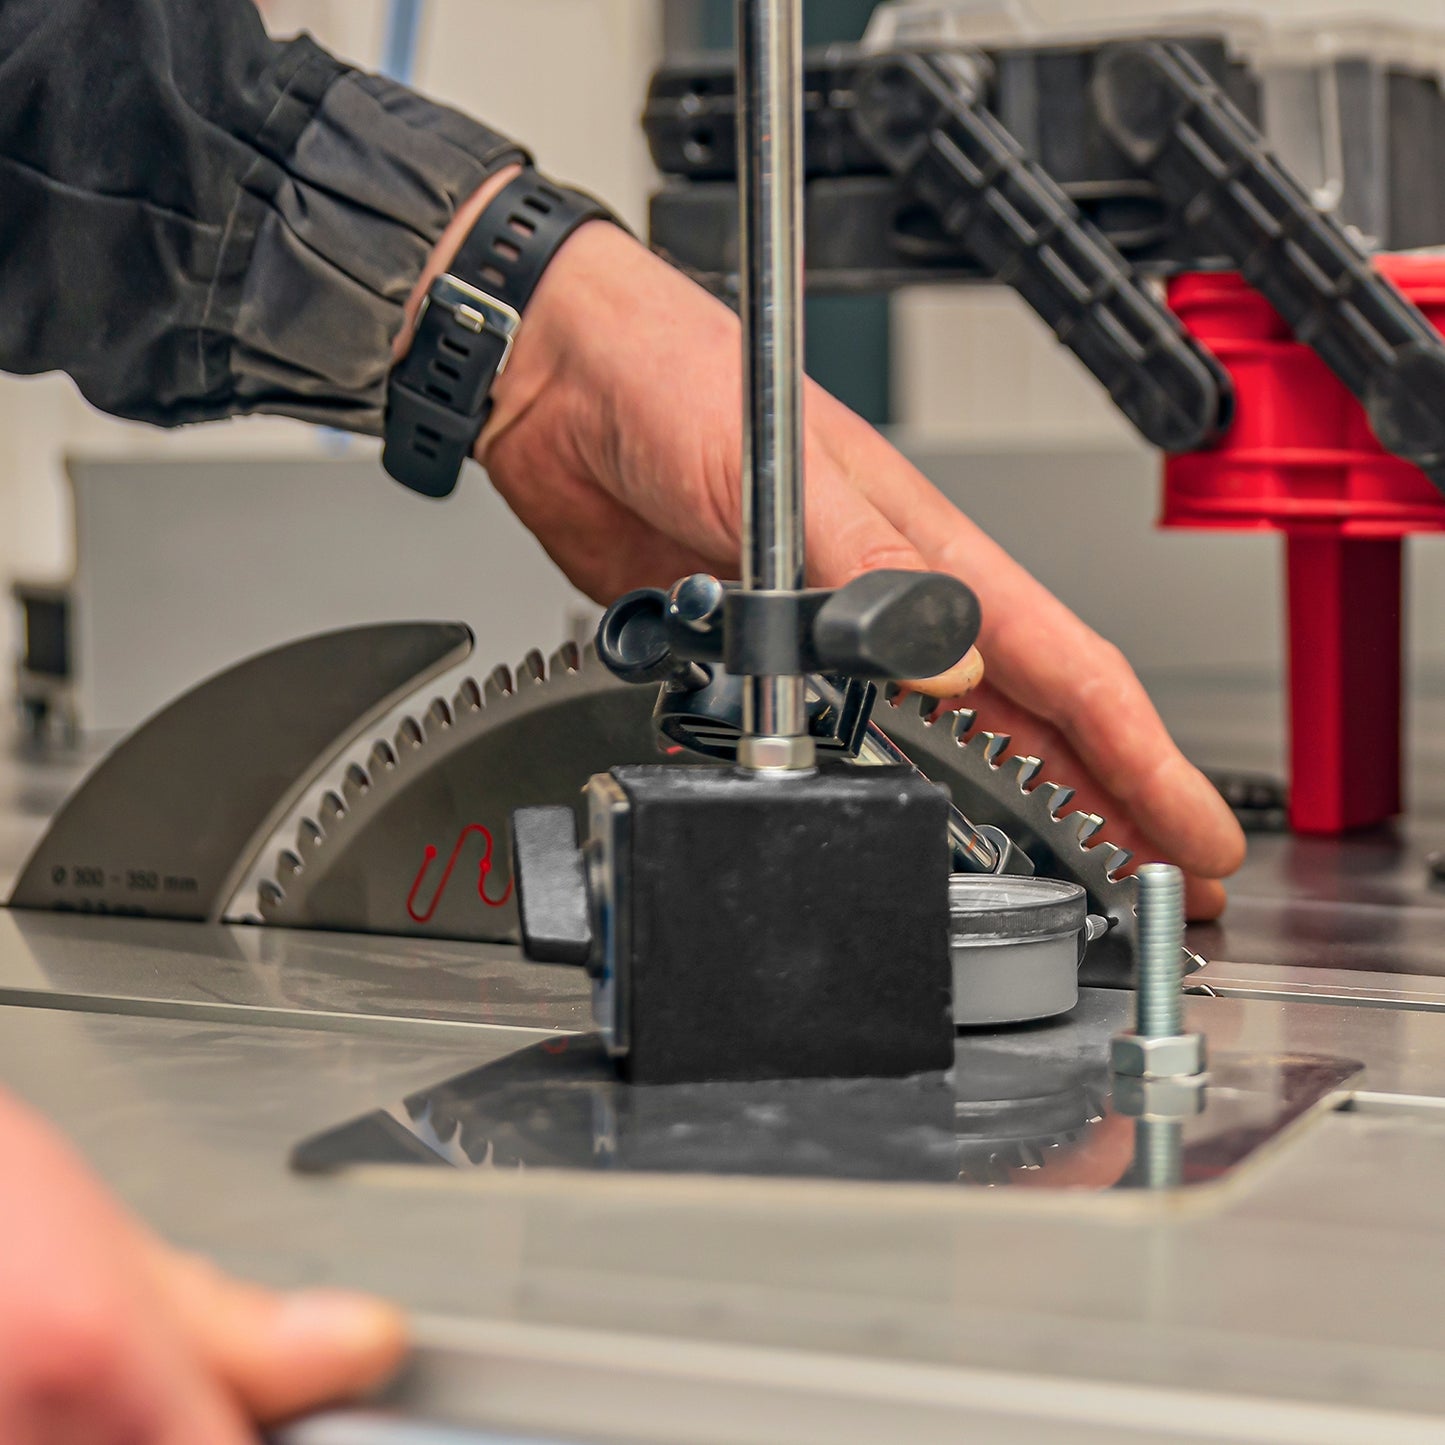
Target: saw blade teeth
[
  {"x": 1055, "y": 796},
  {"x": 995, "y": 748},
  {"x": 1012, "y": 793},
  {"x": 1086, "y": 827},
  {"x": 963, "y": 722},
  {"x": 893, "y": 693},
  {"x": 468, "y": 698},
  {"x": 439, "y": 715},
  {"x": 356, "y": 784},
  {"x": 398, "y": 754},
  {"x": 500, "y": 684},
  {"x": 1116, "y": 861},
  {"x": 1024, "y": 769},
  {"x": 567, "y": 658},
  {"x": 271, "y": 893}
]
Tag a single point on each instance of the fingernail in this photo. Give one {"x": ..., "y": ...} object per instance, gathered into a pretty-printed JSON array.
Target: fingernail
[
  {"x": 337, "y": 1319},
  {"x": 971, "y": 670},
  {"x": 963, "y": 676}
]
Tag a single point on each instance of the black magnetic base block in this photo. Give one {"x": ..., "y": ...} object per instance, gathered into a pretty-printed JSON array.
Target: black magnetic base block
[{"x": 785, "y": 927}]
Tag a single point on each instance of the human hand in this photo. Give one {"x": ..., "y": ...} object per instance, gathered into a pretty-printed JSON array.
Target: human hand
[
  {"x": 107, "y": 1336},
  {"x": 616, "y": 438}
]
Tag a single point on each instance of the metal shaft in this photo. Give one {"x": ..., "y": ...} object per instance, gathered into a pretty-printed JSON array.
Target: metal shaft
[
  {"x": 1161, "y": 951},
  {"x": 1158, "y": 1153},
  {"x": 770, "y": 138}
]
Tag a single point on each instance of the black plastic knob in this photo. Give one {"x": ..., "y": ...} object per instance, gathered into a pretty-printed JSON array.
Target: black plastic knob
[
  {"x": 633, "y": 640},
  {"x": 551, "y": 878},
  {"x": 909, "y": 625}
]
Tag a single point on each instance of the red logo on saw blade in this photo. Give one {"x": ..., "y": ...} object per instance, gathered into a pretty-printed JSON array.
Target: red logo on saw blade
[{"x": 484, "y": 869}]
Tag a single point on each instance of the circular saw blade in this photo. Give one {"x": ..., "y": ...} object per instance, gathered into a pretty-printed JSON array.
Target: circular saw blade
[{"x": 407, "y": 831}]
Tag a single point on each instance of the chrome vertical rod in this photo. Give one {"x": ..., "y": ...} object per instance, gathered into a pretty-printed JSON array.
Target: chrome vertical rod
[{"x": 770, "y": 144}]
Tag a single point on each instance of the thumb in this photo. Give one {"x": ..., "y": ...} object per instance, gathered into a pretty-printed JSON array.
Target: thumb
[
  {"x": 281, "y": 1355},
  {"x": 961, "y": 678}
]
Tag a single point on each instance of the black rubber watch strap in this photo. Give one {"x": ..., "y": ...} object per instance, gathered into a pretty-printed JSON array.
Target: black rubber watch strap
[{"x": 438, "y": 398}]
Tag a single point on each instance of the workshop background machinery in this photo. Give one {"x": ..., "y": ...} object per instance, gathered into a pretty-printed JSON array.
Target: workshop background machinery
[{"x": 1137, "y": 158}]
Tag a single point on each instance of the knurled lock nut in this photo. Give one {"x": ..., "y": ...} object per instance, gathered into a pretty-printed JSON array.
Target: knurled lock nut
[
  {"x": 1166, "y": 1099},
  {"x": 1173, "y": 1057}
]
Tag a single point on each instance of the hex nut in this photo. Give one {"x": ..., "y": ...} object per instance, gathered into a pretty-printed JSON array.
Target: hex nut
[
  {"x": 1178, "y": 1056},
  {"x": 1168, "y": 1099}
]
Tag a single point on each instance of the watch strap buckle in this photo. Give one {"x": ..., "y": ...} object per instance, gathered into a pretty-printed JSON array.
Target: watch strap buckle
[
  {"x": 474, "y": 310},
  {"x": 438, "y": 396}
]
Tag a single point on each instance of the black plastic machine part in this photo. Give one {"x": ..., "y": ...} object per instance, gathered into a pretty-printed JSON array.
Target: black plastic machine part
[
  {"x": 552, "y": 896},
  {"x": 1039, "y": 92},
  {"x": 787, "y": 927},
  {"x": 699, "y": 640},
  {"x": 882, "y": 625},
  {"x": 1218, "y": 173},
  {"x": 924, "y": 118},
  {"x": 1170, "y": 118},
  {"x": 438, "y": 397}
]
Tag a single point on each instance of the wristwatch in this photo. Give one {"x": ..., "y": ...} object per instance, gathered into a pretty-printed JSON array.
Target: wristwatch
[{"x": 439, "y": 395}]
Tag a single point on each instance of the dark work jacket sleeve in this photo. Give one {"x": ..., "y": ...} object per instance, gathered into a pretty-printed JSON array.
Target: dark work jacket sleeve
[{"x": 198, "y": 221}]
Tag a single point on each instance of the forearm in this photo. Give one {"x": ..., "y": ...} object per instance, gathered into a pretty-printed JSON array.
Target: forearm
[{"x": 197, "y": 221}]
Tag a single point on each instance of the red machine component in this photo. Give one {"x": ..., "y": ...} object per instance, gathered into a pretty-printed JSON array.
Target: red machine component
[{"x": 1301, "y": 458}]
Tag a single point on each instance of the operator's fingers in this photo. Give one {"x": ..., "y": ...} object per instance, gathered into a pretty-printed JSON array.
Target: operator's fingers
[
  {"x": 282, "y": 1355},
  {"x": 1060, "y": 672},
  {"x": 87, "y": 1350},
  {"x": 1031, "y": 737},
  {"x": 1045, "y": 658}
]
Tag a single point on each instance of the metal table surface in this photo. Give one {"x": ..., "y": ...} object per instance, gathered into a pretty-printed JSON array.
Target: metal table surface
[
  {"x": 1322, "y": 917},
  {"x": 589, "y": 1307},
  {"x": 1299, "y": 1301}
]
